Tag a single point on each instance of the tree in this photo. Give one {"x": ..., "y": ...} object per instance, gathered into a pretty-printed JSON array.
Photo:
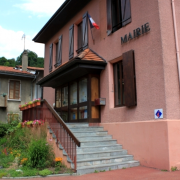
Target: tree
[
  {"x": 3, "y": 60},
  {"x": 33, "y": 60}
]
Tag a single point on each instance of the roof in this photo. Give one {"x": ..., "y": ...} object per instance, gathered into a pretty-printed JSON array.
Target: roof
[
  {"x": 33, "y": 68},
  {"x": 85, "y": 60},
  {"x": 63, "y": 15},
  {"x": 11, "y": 71}
]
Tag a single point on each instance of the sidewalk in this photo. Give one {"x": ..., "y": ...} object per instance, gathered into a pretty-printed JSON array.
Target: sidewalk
[{"x": 136, "y": 173}]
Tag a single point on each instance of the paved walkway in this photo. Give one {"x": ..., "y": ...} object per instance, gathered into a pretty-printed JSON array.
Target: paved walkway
[{"x": 136, "y": 173}]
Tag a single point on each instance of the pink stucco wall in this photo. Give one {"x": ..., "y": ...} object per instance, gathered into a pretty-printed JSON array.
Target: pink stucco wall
[{"x": 154, "y": 143}]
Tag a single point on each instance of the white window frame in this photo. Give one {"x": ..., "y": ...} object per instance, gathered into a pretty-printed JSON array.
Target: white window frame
[{"x": 19, "y": 90}]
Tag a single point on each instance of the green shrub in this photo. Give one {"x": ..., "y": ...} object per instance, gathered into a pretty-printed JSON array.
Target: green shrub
[
  {"x": 39, "y": 152},
  {"x": 45, "y": 172},
  {"x": 5, "y": 160},
  {"x": 3, "y": 174},
  {"x": 29, "y": 172},
  {"x": 14, "y": 173},
  {"x": 3, "y": 129},
  {"x": 3, "y": 141},
  {"x": 173, "y": 168}
]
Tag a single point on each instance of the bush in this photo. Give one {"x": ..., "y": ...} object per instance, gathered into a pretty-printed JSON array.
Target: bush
[
  {"x": 29, "y": 172},
  {"x": 10, "y": 127},
  {"x": 3, "y": 174},
  {"x": 3, "y": 129},
  {"x": 39, "y": 152},
  {"x": 45, "y": 172}
]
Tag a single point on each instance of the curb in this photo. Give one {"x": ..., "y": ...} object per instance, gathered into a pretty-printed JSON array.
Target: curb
[{"x": 53, "y": 175}]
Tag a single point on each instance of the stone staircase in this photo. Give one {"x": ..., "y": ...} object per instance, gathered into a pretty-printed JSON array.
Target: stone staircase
[{"x": 98, "y": 151}]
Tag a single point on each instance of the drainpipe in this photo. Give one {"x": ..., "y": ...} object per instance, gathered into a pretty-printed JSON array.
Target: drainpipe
[
  {"x": 176, "y": 38},
  {"x": 32, "y": 88}
]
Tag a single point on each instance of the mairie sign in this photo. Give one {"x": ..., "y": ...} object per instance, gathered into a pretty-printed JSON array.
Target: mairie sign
[{"x": 136, "y": 33}]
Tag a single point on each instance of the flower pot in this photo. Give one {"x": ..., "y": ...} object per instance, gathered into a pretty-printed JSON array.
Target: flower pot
[
  {"x": 34, "y": 105},
  {"x": 29, "y": 106},
  {"x": 38, "y": 103}
]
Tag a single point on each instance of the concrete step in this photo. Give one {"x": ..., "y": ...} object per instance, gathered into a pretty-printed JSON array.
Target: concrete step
[
  {"x": 101, "y": 154},
  {"x": 103, "y": 160},
  {"x": 90, "y": 133},
  {"x": 98, "y": 142},
  {"x": 84, "y": 129},
  {"x": 91, "y": 138},
  {"x": 106, "y": 167},
  {"x": 99, "y": 148},
  {"x": 70, "y": 125}
]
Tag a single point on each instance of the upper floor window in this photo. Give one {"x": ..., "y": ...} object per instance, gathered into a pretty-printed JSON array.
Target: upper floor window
[
  {"x": 50, "y": 57},
  {"x": 14, "y": 89},
  {"x": 57, "y": 52},
  {"x": 118, "y": 14},
  {"x": 80, "y": 38}
]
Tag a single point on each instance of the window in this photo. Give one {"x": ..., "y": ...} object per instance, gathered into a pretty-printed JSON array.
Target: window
[
  {"x": 14, "y": 89},
  {"x": 50, "y": 57},
  {"x": 83, "y": 34},
  {"x": 119, "y": 84},
  {"x": 57, "y": 52},
  {"x": 80, "y": 38},
  {"x": 125, "y": 81},
  {"x": 118, "y": 14}
]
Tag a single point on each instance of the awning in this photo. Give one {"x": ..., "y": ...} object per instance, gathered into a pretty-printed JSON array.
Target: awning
[{"x": 86, "y": 62}]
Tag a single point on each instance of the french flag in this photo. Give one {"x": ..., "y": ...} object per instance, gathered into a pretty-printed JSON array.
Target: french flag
[{"x": 92, "y": 23}]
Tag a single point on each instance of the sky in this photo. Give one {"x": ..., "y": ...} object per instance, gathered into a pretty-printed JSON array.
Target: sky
[{"x": 18, "y": 17}]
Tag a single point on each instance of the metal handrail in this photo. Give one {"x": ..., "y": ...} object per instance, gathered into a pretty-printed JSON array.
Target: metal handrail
[
  {"x": 63, "y": 134},
  {"x": 59, "y": 119}
]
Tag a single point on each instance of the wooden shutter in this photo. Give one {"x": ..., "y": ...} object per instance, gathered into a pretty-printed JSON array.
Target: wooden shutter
[
  {"x": 109, "y": 17},
  {"x": 71, "y": 41},
  {"x": 11, "y": 89},
  {"x": 85, "y": 30},
  {"x": 59, "y": 61},
  {"x": 50, "y": 57},
  {"x": 129, "y": 78},
  {"x": 125, "y": 12},
  {"x": 17, "y": 89},
  {"x": 14, "y": 89}
]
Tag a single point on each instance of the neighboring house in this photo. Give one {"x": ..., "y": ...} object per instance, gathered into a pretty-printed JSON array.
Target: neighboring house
[
  {"x": 17, "y": 87},
  {"x": 131, "y": 61}
]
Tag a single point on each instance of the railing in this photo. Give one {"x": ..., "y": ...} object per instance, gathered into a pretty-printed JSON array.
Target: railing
[
  {"x": 3, "y": 100},
  {"x": 63, "y": 134}
]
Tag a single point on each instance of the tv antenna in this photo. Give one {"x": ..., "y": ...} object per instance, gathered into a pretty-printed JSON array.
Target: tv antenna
[{"x": 24, "y": 37}]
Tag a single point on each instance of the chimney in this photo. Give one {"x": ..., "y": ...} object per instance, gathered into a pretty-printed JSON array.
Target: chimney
[{"x": 25, "y": 60}]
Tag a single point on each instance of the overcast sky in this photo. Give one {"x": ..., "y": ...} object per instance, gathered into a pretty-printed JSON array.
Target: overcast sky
[{"x": 18, "y": 17}]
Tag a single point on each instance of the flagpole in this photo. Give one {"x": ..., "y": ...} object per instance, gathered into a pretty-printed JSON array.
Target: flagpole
[{"x": 92, "y": 35}]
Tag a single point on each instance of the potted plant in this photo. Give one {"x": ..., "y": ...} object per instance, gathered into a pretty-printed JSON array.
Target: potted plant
[
  {"x": 33, "y": 103},
  {"x": 29, "y": 123},
  {"x": 38, "y": 102},
  {"x": 20, "y": 107},
  {"x": 36, "y": 122},
  {"x": 25, "y": 106},
  {"x": 30, "y": 104},
  {"x": 22, "y": 124}
]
